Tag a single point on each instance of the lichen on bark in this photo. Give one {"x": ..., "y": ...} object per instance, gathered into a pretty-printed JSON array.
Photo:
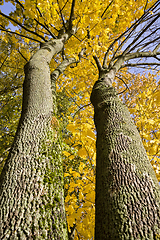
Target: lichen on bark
[
  {"x": 127, "y": 191},
  {"x": 31, "y": 183}
]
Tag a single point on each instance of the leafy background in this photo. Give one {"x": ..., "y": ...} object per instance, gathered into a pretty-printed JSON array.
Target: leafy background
[{"x": 75, "y": 113}]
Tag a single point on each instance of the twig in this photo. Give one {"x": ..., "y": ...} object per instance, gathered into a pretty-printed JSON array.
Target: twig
[
  {"x": 64, "y": 5},
  {"x": 39, "y": 11},
  {"x": 124, "y": 84},
  {"x": 140, "y": 34},
  {"x": 130, "y": 30},
  {"x": 81, "y": 108},
  {"x": 106, "y": 8},
  {"x": 4, "y": 61},
  {"x": 145, "y": 5},
  {"x": 22, "y": 55}
]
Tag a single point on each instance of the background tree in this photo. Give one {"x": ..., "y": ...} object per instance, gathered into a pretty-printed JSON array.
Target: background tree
[{"x": 99, "y": 29}]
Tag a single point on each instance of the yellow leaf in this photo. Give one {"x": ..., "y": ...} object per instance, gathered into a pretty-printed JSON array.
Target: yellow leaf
[
  {"x": 91, "y": 134},
  {"x": 81, "y": 167},
  {"x": 66, "y": 153},
  {"x": 82, "y": 152}
]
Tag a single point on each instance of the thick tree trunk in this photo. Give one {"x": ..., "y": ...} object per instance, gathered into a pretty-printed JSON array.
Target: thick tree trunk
[
  {"x": 31, "y": 190},
  {"x": 127, "y": 191}
]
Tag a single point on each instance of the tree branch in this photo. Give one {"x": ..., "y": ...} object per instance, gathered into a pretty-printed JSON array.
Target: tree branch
[
  {"x": 149, "y": 42},
  {"x": 65, "y": 63},
  {"x": 106, "y": 9},
  {"x": 39, "y": 11},
  {"x": 81, "y": 108},
  {"x": 22, "y": 55},
  {"x": 146, "y": 5},
  {"x": 120, "y": 59},
  {"x": 44, "y": 26},
  {"x": 140, "y": 55},
  {"x": 129, "y": 32},
  {"x": 156, "y": 48},
  {"x": 140, "y": 34},
  {"x": 19, "y": 24},
  {"x": 124, "y": 84},
  {"x": 20, "y": 4},
  {"x": 41, "y": 24},
  {"x": 61, "y": 15},
  {"x": 139, "y": 64},
  {"x": 8, "y": 31},
  {"x": 71, "y": 14},
  {"x": 64, "y": 5},
  {"x": 98, "y": 63},
  {"x": 4, "y": 61}
]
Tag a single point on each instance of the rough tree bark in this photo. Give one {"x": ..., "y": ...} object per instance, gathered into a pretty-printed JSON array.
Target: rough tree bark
[
  {"x": 127, "y": 191},
  {"x": 31, "y": 190}
]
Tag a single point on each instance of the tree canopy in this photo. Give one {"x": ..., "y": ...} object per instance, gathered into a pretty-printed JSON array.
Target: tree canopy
[{"x": 123, "y": 35}]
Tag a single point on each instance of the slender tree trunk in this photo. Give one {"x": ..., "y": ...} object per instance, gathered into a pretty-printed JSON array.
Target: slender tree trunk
[
  {"x": 127, "y": 191},
  {"x": 31, "y": 190}
]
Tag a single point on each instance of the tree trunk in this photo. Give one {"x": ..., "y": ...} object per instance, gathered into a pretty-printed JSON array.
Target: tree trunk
[
  {"x": 127, "y": 191},
  {"x": 31, "y": 190}
]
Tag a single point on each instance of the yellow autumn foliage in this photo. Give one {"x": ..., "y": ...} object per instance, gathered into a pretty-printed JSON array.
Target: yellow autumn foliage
[{"x": 105, "y": 20}]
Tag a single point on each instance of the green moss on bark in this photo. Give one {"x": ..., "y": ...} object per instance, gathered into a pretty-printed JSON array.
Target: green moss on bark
[{"x": 127, "y": 191}]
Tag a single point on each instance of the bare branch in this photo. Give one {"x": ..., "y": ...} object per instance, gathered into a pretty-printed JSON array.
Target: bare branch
[
  {"x": 4, "y": 61},
  {"x": 157, "y": 58},
  {"x": 65, "y": 63},
  {"x": 156, "y": 48},
  {"x": 81, "y": 108},
  {"x": 22, "y": 55},
  {"x": 82, "y": 52},
  {"x": 140, "y": 34},
  {"x": 139, "y": 64},
  {"x": 142, "y": 46},
  {"x": 112, "y": 44},
  {"x": 60, "y": 10},
  {"x": 106, "y": 9},
  {"x": 19, "y": 24},
  {"x": 64, "y": 5},
  {"x": 21, "y": 5},
  {"x": 77, "y": 38},
  {"x": 146, "y": 5},
  {"x": 45, "y": 28},
  {"x": 21, "y": 35},
  {"x": 98, "y": 63},
  {"x": 130, "y": 31},
  {"x": 140, "y": 55},
  {"x": 71, "y": 14},
  {"x": 123, "y": 82},
  {"x": 39, "y": 11},
  {"x": 121, "y": 58}
]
